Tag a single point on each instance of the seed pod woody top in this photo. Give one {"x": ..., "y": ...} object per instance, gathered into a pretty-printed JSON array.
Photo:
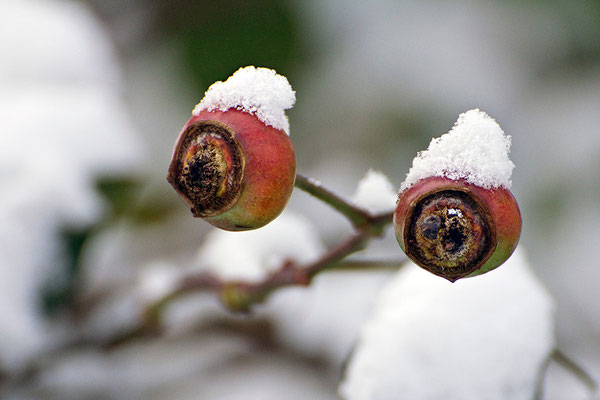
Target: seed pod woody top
[
  {"x": 455, "y": 215},
  {"x": 233, "y": 162}
]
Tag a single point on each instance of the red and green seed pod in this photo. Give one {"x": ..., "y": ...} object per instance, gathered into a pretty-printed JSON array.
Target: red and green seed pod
[
  {"x": 455, "y": 229},
  {"x": 232, "y": 169}
]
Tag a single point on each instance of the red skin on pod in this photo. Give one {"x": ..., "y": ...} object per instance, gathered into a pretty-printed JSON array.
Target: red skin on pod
[
  {"x": 269, "y": 170},
  {"x": 499, "y": 202}
]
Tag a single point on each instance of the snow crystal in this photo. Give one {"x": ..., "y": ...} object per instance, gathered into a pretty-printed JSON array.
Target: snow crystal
[
  {"x": 315, "y": 182},
  {"x": 484, "y": 338},
  {"x": 476, "y": 150},
  {"x": 251, "y": 256},
  {"x": 375, "y": 193},
  {"x": 258, "y": 91}
]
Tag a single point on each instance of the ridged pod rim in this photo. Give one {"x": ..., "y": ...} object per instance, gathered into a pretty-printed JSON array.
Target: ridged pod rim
[{"x": 207, "y": 168}]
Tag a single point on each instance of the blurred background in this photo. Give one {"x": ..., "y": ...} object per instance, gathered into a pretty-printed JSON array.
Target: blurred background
[{"x": 94, "y": 92}]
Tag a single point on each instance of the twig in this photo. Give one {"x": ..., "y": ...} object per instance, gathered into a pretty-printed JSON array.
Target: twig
[
  {"x": 359, "y": 265},
  {"x": 577, "y": 370},
  {"x": 571, "y": 366},
  {"x": 359, "y": 218},
  {"x": 240, "y": 296}
]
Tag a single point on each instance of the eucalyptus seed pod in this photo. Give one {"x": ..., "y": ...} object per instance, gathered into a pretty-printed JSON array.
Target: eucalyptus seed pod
[
  {"x": 456, "y": 229},
  {"x": 233, "y": 170}
]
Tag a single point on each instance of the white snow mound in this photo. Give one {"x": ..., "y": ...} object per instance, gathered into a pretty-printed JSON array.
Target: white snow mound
[
  {"x": 258, "y": 91},
  {"x": 481, "y": 338},
  {"x": 475, "y": 150},
  {"x": 375, "y": 193}
]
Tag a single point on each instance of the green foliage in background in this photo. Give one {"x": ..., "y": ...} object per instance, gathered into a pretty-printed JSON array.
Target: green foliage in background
[{"x": 217, "y": 37}]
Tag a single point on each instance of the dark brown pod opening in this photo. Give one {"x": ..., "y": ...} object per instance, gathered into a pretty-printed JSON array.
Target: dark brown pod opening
[
  {"x": 449, "y": 233},
  {"x": 207, "y": 168}
]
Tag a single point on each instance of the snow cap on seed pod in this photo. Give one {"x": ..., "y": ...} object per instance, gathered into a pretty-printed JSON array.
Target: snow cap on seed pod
[
  {"x": 476, "y": 150},
  {"x": 233, "y": 162},
  {"x": 455, "y": 215},
  {"x": 258, "y": 91}
]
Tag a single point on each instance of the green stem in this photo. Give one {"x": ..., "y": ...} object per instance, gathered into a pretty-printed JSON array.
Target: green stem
[
  {"x": 357, "y": 216},
  {"x": 359, "y": 265},
  {"x": 240, "y": 296},
  {"x": 570, "y": 365}
]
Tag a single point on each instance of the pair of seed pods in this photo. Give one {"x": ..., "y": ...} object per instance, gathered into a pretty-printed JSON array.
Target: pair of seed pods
[{"x": 238, "y": 174}]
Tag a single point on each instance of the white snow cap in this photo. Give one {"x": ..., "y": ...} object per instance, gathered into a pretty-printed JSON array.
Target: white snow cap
[
  {"x": 483, "y": 338},
  {"x": 251, "y": 256},
  {"x": 258, "y": 91},
  {"x": 476, "y": 150},
  {"x": 375, "y": 192}
]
